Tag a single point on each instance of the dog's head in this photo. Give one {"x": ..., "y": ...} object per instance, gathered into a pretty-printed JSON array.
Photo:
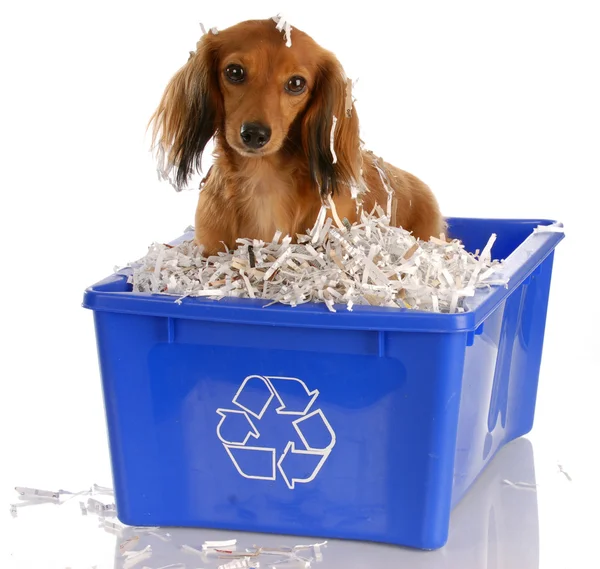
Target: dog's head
[{"x": 261, "y": 97}]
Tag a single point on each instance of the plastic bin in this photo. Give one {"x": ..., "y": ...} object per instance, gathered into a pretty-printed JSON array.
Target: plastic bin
[{"x": 367, "y": 425}]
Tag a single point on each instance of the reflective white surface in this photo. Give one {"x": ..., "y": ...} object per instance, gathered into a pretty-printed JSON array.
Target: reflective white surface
[
  {"x": 494, "y": 105},
  {"x": 497, "y": 525}
]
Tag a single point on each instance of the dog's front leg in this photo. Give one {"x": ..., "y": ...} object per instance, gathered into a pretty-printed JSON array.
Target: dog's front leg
[{"x": 214, "y": 225}]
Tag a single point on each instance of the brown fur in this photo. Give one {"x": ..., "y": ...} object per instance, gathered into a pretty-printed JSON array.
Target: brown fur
[{"x": 281, "y": 186}]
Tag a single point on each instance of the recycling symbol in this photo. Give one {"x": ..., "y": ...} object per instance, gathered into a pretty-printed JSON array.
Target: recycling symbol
[{"x": 273, "y": 428}]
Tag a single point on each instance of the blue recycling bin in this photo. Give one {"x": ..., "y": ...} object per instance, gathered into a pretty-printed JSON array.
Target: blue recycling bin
[{"x": 367, "y": 425}]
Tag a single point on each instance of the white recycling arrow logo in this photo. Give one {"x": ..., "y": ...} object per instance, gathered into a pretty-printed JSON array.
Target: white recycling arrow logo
[{"x": 300, "y": 461}]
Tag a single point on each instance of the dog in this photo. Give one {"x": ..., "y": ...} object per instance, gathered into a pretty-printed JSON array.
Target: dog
[{"x": 286, "y": 140}]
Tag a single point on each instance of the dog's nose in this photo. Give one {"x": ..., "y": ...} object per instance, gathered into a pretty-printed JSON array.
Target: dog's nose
[{"x": 255, "y": 135}]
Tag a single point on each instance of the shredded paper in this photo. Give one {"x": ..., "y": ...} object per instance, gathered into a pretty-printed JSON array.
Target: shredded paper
[
  {"x": 368, "y": 263},
  {"x": 283, "y": 25}
]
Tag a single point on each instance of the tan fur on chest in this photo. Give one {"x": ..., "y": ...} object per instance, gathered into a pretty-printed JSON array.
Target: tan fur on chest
[
  {"x": 254, "y": 201},
  {"x": 264, "y": 199}
]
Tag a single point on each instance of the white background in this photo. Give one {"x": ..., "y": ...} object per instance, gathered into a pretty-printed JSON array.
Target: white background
[{"x": 496, "y": 105}]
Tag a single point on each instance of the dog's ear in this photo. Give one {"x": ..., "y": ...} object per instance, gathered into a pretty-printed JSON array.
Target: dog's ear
[
  {"x": 190, "y": 111},
  {"x": 331, "y": 97}
]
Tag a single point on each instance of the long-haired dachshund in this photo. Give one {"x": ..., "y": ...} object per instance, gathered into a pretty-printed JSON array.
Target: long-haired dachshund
[{"x": 286, "y": 138}]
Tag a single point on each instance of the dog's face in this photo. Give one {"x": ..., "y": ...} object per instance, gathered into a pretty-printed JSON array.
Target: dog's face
[
  {"x": 256, "y": 94},
  {"x": 264, "y": 86}
]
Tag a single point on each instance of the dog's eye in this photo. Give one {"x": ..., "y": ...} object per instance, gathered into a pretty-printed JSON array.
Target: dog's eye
[
  {"x": 235, "y": 73},
  {"x": 296, "y": 85}
]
